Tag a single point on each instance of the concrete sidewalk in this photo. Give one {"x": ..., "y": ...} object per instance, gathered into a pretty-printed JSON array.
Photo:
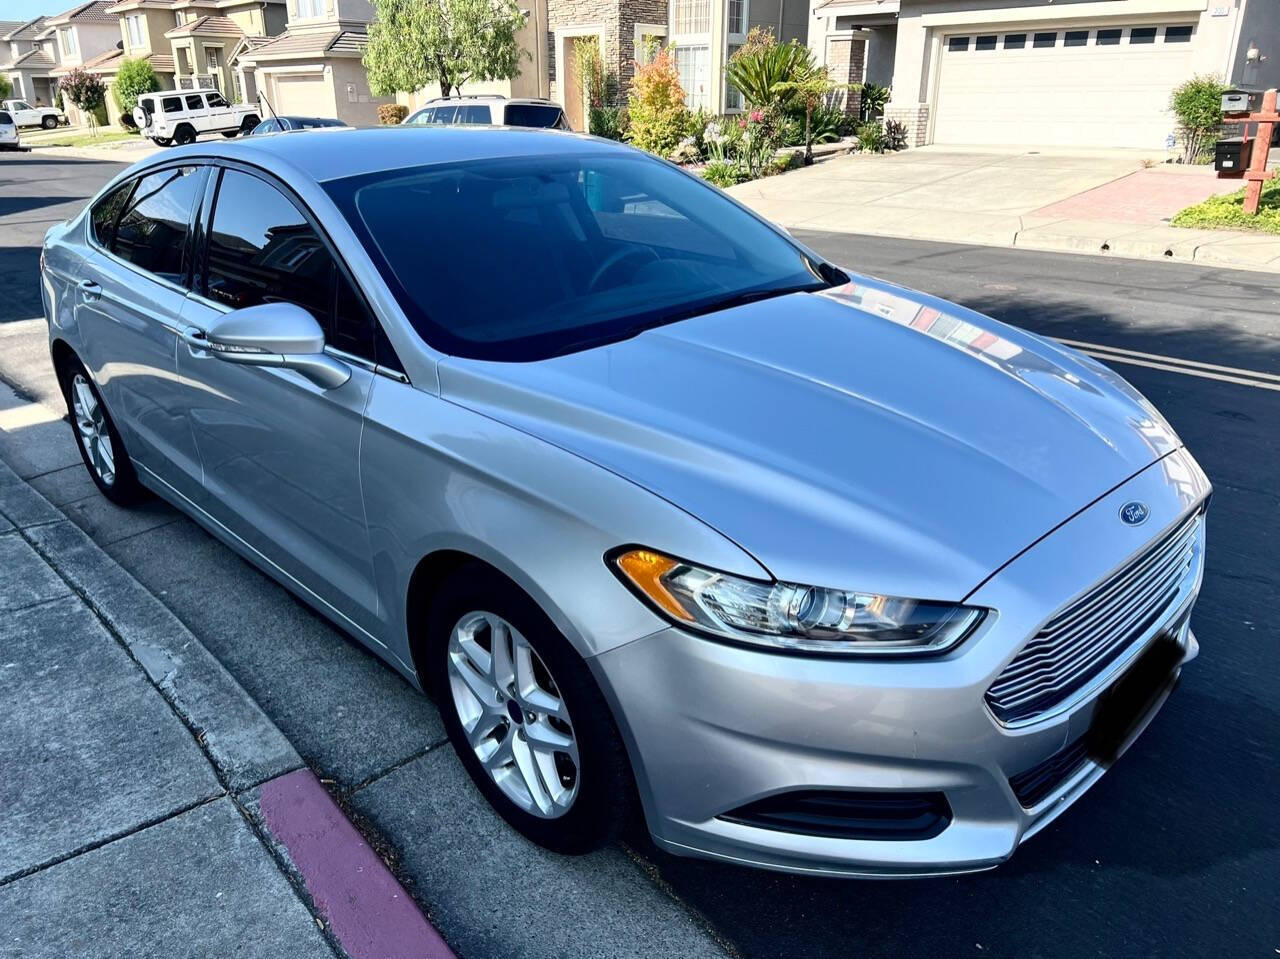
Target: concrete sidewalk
[
  {"x": 147, "y": 804},
  {"x": 1101, "y": 202}
]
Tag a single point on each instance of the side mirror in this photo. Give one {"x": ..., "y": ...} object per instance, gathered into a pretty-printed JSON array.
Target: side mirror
[{"x": 272, "y": 334}]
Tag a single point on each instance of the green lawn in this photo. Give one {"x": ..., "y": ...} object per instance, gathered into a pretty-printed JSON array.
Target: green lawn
[
  {"x": 77, "y": 138},
  {"x": 1227, "y": 212}
]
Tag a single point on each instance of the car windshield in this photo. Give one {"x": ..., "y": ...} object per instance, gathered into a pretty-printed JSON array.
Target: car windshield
[{"x": 527, "y": 257}]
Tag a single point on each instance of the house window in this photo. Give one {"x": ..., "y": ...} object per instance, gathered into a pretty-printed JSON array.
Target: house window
[
  {"x": 68, "y": 40},
  {"x": 310, "y": 9},
  {"x": 985, "y": 43},
  {"x": 1075, "y": 38},
  {"x": 1045, "y": 40},
  {"x": 1109, "y": 38},
  {"x": 1177, "y": 34},
  {"x": 957, "y": 44},
  {"x": 694, "y": 66},
  {"x": 211, "y": 57},
  {"x": 692, "y": 16},
  {"x": 738, "y": 17},
  {"x": 133, "y": 23},
  {"x": 1142, "y": 35},
  {"x": 1015, "y": 41},
  {"x": 732, "y": 95}
]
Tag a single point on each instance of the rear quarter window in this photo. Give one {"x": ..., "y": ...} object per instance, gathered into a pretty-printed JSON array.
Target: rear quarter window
[
  {"x": 532, "y": 115},
  {"x": 105, "y": 213}
]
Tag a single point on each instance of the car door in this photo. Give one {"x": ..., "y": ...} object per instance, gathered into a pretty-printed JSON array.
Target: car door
[
  {"x": 129, "y": 314},
  {"x": 197, "y": 112},
  {"x": 220, "y": 114},
  {"x": 280, "y": 454},
  {"x": 24, "y": 115}
]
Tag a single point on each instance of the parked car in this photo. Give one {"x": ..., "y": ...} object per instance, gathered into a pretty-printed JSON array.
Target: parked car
[
  {"x": 25, "y": 115},
  {"x": 490, "y": 110},
  {"x": 179, "y": 116},
  {"x": 820, "y": 573},
  {"x": 284, "y": 124},
  {"x": 8, "y": 131}
]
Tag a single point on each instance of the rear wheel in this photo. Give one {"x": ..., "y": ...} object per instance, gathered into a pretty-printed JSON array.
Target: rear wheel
[
  {"x": 525, "y": 716},
  {"x": 162, "y": 141},
  {"x": 184, "y": 134},
  {"x": 247, "y": 125},
  {"x": 230, "y": 133},
  {"x": 97, "y": 439},
  {"x": 49, "y": 122}
]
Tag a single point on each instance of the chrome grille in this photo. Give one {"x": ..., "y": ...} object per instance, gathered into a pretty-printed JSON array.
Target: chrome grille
[{"x": 1091, "y": 632}]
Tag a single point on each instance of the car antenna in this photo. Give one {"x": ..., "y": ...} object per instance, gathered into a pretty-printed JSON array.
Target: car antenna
[{"x": 263, "y": 97}]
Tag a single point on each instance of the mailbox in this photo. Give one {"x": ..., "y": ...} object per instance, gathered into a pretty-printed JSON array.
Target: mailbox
[
  {"x": 1241, "y": 101},
  {"x": 1232, "y": 155}
]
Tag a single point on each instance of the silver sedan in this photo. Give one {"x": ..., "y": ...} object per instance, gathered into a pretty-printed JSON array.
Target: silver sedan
[{"x": 672, "y": 517}]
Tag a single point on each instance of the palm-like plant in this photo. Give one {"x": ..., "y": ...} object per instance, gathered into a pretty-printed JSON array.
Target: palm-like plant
[
  {"x": 761, "y": 73},
  {"x": 809, "y": 86}
]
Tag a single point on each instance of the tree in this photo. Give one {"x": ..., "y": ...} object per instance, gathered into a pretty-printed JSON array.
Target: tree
[
  {"x": 6, "y": 88},
  {"x": 135, "y": 78},
  {"x": 758, "y": 68},
  {"x": 1197, "y": 104},
  {"x": 810, "y": 85},
  {"x": 86, "y": 91},
  {"x": 449, "y": 42}
]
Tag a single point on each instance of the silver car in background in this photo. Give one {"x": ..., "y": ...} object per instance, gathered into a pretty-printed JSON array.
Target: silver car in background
[{"x": 671, "y": 516}]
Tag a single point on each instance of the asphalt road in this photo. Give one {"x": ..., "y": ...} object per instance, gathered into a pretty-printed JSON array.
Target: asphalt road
[{"x": 1176, "y": 852}]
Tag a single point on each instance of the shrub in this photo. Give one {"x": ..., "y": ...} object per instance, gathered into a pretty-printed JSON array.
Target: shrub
[
  {"x": 1197, "y": 103},
  {"x": 608, "y": 122},
  {"x": 1227, "y": 211},
  {"x": 874, "y": 98},
  {"x": 389, "y": 114},
  {"x": 871, "y": 137},
  {"x": 87, "y": 92},
  {"x": 723, "y": 173},
  {"x": 6, "y": 88},
  {"x": 895, "y": 135},
  {"x": 135, "y": 78},
  {"x": 686, "y": 151},
  {"x": 757, "y": 74},
  {"x": 659, "y": 117}
]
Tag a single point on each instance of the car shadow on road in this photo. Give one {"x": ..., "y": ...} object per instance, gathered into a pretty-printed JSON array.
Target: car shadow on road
[
  {"x": 20, "y": 283},
  {"x": 13, "y": 205}
]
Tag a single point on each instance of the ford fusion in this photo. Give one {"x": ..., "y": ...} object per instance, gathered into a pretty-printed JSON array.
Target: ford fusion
[{"x": 675, "y": 520}]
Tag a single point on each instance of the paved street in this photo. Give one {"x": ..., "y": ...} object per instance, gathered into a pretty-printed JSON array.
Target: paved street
[{"x": 1176, "y": 852}]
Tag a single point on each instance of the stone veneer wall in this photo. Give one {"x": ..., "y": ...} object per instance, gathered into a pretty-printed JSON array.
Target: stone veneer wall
[
  {"x": 845, "y": 58},
  {"x": 617, "y": 19},
  {"x": 915, "y": 117}
]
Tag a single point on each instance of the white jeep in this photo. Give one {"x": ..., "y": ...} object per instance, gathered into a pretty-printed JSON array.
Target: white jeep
[
  {"x": 25, "y": 115},
  {"x": 179, "y": 116}
]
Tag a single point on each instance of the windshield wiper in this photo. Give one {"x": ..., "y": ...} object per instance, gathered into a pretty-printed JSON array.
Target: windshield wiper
[{"x": 735, "y": 299}]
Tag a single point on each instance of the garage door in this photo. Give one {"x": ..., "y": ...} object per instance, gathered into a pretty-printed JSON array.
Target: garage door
[
  {"x": 1105, "y": 86},
  {"x": 303, "y": 94}
]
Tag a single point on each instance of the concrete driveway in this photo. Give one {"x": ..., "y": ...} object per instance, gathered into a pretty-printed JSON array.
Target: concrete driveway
[{"x": 1086, "y": 201}]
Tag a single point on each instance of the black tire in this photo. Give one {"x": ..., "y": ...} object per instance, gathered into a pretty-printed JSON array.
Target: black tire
[
  {"x": 183, "y": 135},
  {"x": 162, "y": 141},
  {"x": 248, "y": 123},
  {"x": 49, "y": 122},
  {"x": 606, "y": 798},
  {"x": 124, "y": 489},
  {"x": 230, "y": 134}
]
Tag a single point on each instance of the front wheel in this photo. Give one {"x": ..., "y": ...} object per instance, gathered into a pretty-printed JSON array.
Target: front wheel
[
  {"x": 98, "y": 439},
  {"x": 162, "y": 141},
  {"x": 525, "y": 716},
  {"x": 230, "y": 134},
  {"x": 49, "y": 122}
]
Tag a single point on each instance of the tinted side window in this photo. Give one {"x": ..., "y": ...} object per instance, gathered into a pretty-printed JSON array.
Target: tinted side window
[
  {"x": 475, "y": 113},
  {"x": 444, "y": 115},
  {"x": 195, "y": 102},
  {"x": 5, "y": 118},
  {"x": 152, "y": 232},
  {"x": 106, "y": 212},
  {"x": 217, "y": 100},
  {"x": 172, "y": 104},
  {"x": 263, "y": 250},
  {"x": 532, "y": 115}
]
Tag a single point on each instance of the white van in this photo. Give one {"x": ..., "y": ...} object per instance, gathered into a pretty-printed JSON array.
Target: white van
[{"x": 179, "y": 116}]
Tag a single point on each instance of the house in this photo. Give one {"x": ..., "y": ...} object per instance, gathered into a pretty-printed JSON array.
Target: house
[
  {"x": 28, "y": 57},
  {"x": 82, "y": 33},
  {"x": 314, "y": 67},
  {"x": 1089, "y": 73}
]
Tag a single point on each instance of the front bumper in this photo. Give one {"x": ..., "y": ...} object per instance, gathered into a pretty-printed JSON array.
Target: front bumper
[{"x": 712, "y": 727}]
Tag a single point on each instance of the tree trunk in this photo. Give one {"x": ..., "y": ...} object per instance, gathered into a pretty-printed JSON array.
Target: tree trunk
[{"x": 808, "y": 136}]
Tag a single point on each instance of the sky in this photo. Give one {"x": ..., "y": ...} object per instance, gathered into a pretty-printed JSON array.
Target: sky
[{"x": 30, "y": 9}]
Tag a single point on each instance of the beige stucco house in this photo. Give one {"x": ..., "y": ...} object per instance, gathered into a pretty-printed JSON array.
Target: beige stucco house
[
  {"x": 28, "y": 57},
  {"x": 1073, "y": 73},
  {"x": 314, "y": 67}
]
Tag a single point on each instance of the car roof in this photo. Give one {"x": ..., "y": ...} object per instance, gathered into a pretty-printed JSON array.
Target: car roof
[{"x": 393, "y": 147}]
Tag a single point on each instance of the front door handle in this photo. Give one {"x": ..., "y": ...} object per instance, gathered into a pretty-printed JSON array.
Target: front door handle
[
  {"x": 195, "y": 338},
  {"x": 90, "y": 289}
]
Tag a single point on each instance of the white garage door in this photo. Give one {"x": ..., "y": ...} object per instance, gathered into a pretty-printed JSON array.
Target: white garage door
[
  {"x": 303, "y": 94},
  {"x": 1104, "y": 86}
]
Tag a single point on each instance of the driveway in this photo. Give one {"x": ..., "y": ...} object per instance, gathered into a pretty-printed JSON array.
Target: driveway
[{"x": 1087, "y": 202}]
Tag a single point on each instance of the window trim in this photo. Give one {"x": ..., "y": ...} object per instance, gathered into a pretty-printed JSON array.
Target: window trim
[
  {"x": 393, "y": 369},
  {"x": 189, "y": 251}
]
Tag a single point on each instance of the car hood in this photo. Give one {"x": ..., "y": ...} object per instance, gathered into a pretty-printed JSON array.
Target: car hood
[{"x": 866, "y": 437}]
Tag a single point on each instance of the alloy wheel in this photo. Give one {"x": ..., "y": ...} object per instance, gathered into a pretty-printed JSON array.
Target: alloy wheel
[
  {"x": 91, "y": 427},
  {"x": 513, "y": 715}
]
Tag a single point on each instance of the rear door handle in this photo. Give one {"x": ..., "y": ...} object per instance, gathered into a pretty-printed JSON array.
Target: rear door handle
[{"x": 90, "y": 289}]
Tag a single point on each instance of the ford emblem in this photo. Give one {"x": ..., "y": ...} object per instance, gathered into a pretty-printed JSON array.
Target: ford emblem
[{"x": 1134, "y": 513}]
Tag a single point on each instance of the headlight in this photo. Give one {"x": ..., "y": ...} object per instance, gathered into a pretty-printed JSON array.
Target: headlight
[{"x": 789, "y": 616}]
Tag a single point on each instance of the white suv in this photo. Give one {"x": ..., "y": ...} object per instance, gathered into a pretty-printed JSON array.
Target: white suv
[
  {"x": 494, "y": 110},
  {"x": 179, "y": 116}
]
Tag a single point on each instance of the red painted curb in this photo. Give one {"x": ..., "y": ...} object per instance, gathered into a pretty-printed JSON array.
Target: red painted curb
[{"x": 366, "y": 908}]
